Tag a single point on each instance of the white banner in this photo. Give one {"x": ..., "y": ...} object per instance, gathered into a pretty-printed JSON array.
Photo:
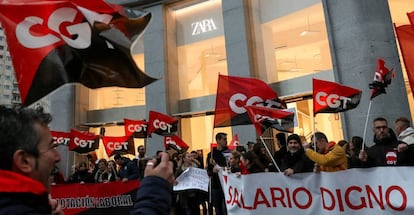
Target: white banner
[
  {"x": 380, "y": 190},
  {"x": 192, "y": 178}
]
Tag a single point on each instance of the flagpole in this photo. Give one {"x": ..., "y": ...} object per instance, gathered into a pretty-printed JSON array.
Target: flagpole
[
  {"x": 313, "y": 139},
  {"x": 366, "y": 125},
  {"x": 270, "y": 154}
]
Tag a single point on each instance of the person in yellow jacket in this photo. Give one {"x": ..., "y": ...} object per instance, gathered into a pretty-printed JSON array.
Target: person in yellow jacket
[{"x": 328, "y": 157}]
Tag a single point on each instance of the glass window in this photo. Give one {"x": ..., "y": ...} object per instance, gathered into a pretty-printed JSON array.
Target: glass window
[
  {"x": 294, "y": 38},
  {"x": 201, "y": 140},
  {"x": 200, "y": 48}
]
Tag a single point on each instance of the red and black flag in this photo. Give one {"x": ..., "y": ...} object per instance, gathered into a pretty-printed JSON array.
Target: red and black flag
[
  {"x": 72, "y": 41},
  {"x": 118, "y": 145},
  {"x": 330, "y": 97},
  {"x": 161, "y": 124},
  {"x": 234, "y": 143},
  {"x": 61, "y": 138},
  {"x": 83, "y": 142},
  {"x": 382, "y": 79},
  {"x": 233, "y": 93},
  {"x": 176, "y": 143},
  {"x": 264, "y": 118},
  {"x": 137, "y": 128}
]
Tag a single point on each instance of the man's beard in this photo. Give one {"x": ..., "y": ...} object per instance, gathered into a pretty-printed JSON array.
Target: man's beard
[{"x": 383, "y": 136}]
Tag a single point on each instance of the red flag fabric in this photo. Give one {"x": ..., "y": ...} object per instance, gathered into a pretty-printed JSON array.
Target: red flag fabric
[
  {"x": 382, "y": 79},
  {"x": 234, "y": 142},
  {"x": 330, "y": 97},
  {"x": 176, "y": 143},
  {"x": 57, "y": 42},
  {"x": 137, "y": 128},
  {"x": 264, "y": 118},
  {"x": 411, "y": 18},
  {"x": 60, "y": 137},
  {"x": 118, "y": 145},
  {"x": 83, "y": 142},
  {"x": 233, "y": 93},
  {"x": 213, "y": 146},
  {"x": 405, "y": 36},
  {"x": 161, "y": 124}
]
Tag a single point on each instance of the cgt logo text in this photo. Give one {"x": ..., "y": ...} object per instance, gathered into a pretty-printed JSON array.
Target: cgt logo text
[
  {"x": 137, "y": 128},
  {"x": 61, "y": 140},
  {"x": 80, "y": 33},
  {"x": 332, "y": 100},
  {"x": 83, "y": 143},
  {"x": 239, "y": 100},
  {"x": 162, "y": 125},
  {"x": 117, "y": 145}
]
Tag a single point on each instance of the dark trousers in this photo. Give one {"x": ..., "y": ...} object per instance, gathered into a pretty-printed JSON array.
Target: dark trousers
[{"x": 217, "y": 200}]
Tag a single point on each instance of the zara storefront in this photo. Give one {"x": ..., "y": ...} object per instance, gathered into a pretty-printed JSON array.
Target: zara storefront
[{"x": 284, "y": 43}]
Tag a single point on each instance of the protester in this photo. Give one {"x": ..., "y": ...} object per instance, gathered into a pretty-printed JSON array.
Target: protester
[
  {"x": 101, "y": 175},
  {"x": 128, "y": 170},
  {"x": 141, "y": 160},
  {"x": 295, "y": 160},
  {"x": 250, "y": 163},
  {"x": 234, "y": 162},
  {"x": 387, "y": 150},
  {"x": 282, "y": 151},
  {"x": 354, "y": 147},
  {"x": 188, "y": 200},
  {"x": 329, "y": 157},
  {"x": 112, "y": 173},
  {"x": 216, "y": 159},
  {"x": 81, "y": 175},
  {"x": 404, "y": 131},
  {"x": 154, "y": 194},
  {"x": 28, "y": 157}
]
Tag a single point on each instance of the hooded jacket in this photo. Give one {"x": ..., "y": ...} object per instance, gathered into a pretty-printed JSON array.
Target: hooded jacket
[
  {"x": 22, "y": 195},
  {"x": 407, "y": 136}
]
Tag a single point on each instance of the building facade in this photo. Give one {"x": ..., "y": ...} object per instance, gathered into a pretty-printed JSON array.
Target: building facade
[{"x": 188, "y": 43}]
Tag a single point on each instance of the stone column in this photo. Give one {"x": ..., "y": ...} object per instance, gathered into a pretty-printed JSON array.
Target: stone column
[{"x": 359, "y": 33}]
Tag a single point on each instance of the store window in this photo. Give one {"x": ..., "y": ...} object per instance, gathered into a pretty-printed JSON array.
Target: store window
[
  {"x": 294, "y": 38},
  {"x": 117, "y": 97},
  {"x": 399, "y": 10},
  {"x": 202, "y": 137},
  {"x": 200, "y": 48}
]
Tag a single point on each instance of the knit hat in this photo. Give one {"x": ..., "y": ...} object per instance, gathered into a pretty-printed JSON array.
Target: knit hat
[{"x": 294, "y": 137}]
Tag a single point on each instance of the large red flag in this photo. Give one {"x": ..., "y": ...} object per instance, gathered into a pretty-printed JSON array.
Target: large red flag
[
  {"x": 57, "y": 42},
  {"x": 118, "y": 145},
  {"x": 330, "y": 97},
  {"x": 161, "y": 124},
  {"x": 382, "y": 79},
  {"x": 176, "y": 143},
  {"x": 138, "y": 128},
  {"x": 405, "y": 35},
  {"x": 233, "y": 93},
  {"x": 60, "y": 137},
  {"x": 83, "y": 142},
  {"x": 263, "y": 118}
]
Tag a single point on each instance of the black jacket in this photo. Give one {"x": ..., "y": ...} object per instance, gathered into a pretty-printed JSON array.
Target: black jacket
[
  {"x": 219, "y": 158},
  {"x": 22, "y": 195}
]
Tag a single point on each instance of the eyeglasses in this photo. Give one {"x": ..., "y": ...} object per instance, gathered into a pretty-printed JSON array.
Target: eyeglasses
[
  {"x": 381, "y": 127},
  {"x": 292, "y": 142}
]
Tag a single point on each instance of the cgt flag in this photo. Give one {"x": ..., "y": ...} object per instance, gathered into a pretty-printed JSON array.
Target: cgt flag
[
  {"x": 176, "y": 143},
  {"x": 405, "y": 35},
  {"x": 264, "y": 118},
  {"x": 382, "y": 79},
  {"x": 137, "y": 128},
  {"x": 330, "y": 97},
  {"x": 233, "y": 93},
  {"x": 161, "y": 124},
  {"x": 118, "y": 145},
  {"x": 234, "y": 143},
  {"x": 83, "y": 142},
  {"x": 72, "y": 41}
]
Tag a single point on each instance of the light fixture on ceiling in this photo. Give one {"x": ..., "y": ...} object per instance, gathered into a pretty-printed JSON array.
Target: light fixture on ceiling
[{"x": 308, "y": 31}]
